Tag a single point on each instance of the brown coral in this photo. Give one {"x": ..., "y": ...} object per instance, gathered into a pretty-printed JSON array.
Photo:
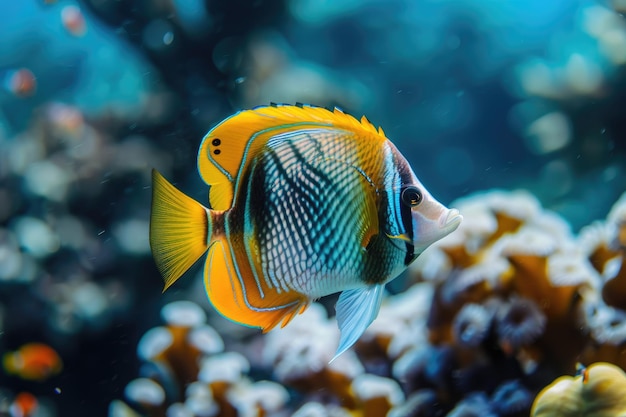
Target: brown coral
[{"x": 511, "y": 249}]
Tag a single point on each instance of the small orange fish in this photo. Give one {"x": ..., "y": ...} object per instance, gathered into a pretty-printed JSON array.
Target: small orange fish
[
  {"x": 73, "y": 20},
  {"x": 304, "y": 202},
  {"x": 33, "y": 361},
  {"x": 21, "y": 82},
  {"x": 25, "y": 404}
]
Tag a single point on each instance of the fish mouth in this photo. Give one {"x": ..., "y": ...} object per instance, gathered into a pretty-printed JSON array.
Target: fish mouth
[
  {"x": 451, "y": 221},
  {"x": 443, "y": 222}
]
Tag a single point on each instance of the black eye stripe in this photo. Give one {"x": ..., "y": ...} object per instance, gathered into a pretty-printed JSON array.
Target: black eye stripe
[
  {"x": 411, "y": 196},
  {"x": 407, "y": 225}
]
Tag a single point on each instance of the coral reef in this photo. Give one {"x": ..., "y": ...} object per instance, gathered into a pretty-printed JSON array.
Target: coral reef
[
  {"x": 514, "y": 269},
  {"x": 63, "y": 162},
  {"x": 185, "y": 372},
  {"x": 519, "y": 297},
  {"x": 490, "y": 316},
  {"x": 67, "y": 245},
  {"x": 603, "y": 243}
]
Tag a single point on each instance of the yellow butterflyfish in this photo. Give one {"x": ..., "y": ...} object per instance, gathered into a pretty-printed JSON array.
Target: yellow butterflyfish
[{"x": 303, "y": 202}]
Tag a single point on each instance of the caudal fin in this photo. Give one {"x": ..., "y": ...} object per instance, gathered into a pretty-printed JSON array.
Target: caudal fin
[{"x": 179, "y": 229}]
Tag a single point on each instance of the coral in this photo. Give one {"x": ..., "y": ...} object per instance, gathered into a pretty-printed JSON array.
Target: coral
[
  {"x": 52, "y": 179},
  {"x": 608, "y": 254},
  {"x": 511, "y": 398},
  {"x": 316, "y": 409},
  {"x": 605, "y": 301},
  {"x": 519, "y": 323},
  {"x": 399, "y": 326},
  {"x": 471, "y": 325},
  {"x": 473, "y": 406},
  {"x": 187, "y": 372},
  {"x": 520, "y": 264},
  {"x": 509, "y": 295},
  {"x": 511, "y": 305},
  {"x": 599, "y": 391},
  {"x": 376, "y": 395}
]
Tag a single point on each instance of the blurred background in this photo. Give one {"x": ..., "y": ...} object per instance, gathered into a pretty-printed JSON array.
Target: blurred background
[{"x": 477, "y": 94}]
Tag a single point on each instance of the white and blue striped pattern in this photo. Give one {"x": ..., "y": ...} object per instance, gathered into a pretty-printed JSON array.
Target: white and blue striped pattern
[{"x": 305, "y": 204}]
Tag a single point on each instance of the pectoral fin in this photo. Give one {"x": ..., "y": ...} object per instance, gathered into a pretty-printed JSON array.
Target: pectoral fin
[{"x": 356, "y": 310}]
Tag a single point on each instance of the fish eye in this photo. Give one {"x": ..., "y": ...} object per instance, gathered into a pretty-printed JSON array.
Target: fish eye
[{"x": 411, "y": 196}]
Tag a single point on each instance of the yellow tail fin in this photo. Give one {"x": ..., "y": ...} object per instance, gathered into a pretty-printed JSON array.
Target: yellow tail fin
[{"x": 179, "y": 229}]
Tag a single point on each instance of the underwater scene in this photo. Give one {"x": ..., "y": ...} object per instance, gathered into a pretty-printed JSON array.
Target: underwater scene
[{"x": 313, "y": 208}]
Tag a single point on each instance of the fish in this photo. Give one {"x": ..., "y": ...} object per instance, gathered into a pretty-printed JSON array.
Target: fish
[
  {"x": 24, "y": 404},
  {"x": 303, "y": 202},
  {"x": 33, "y": 361},
  {"x": 21, "y": 82},
  {"x": 73, "y": 21}
]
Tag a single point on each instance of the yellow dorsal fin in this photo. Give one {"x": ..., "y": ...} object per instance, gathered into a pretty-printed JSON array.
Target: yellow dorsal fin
[
  {"x": 179, "y": 229},
  {"x": 228, "y": 148},
  {"x": 234, "y": 292}
]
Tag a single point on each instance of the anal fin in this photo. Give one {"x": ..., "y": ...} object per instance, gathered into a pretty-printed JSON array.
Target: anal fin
[
  {"x": 356, "y": 310},
  {"x": 236, "y": 295}
]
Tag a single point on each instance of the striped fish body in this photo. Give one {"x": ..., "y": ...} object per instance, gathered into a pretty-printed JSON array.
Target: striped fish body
[
  {"x": 304, "y": 214},
  {"x": 305, "y": 203}
]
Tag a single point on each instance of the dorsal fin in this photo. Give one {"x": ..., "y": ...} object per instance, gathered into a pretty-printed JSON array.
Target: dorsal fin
[{"x": 228, "y": 148}]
